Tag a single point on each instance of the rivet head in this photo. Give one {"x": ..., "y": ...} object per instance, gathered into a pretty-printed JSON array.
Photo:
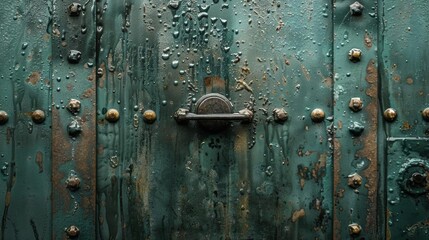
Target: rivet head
[
  {"x": 72, "y": 231},
  {"x": 112, "y": 115},
  {"x": 280, "y": 115},
  {"x": 356, "y": 128},
  {"x": 74, "y": 106},
  {"x": 356, "y": 9},
  {"x": 354, "y": 180},
  {"x": 317, "y": 115},
  {"x": 356, "y": 104},
  {"x": 355, "y": 54},
  {"x": 425, "y": 114},
  {"x": 149, "y": 116},
  {"x": 390, "y": 114},
  {"x": 355, "y": 229},
  {"x": 74, "y": 56},
  {"x": 3, "y": 117},
  {"x": 75, "y": 9},
  {"x": 38, "y": 116},
  {"x": 74, "y": 128},
  {"x": 73, "y": 183}
]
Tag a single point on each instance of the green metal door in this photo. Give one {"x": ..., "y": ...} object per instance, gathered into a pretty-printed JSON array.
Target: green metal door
[{"x": 214, "y": 119}]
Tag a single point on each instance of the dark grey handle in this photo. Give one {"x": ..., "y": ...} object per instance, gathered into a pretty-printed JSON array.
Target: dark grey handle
[{"x": 183, "y": 115}]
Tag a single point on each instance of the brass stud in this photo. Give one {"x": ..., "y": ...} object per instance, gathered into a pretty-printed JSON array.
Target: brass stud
[
  {"x": 354, "y": 181},
  {"x": 112, "y": 115},
  {"x": 149, "y": 116},
  {"x": 280, "y": 115},
  {"x": 38, "y": 116},
  {"x": 3, "y": 117},
  {"x": 356, "y": 104},
  {"x": 356, "y": 9},
  {"x": 390, "y": 114},
  {"x": 355, "y": 55},
  {"x": 425, "y": 114},
  {"x": 72, "y": 231},
  {"x": 354, "y": 229},
  {"x": 73, "y": 183},
  {"x": 74, "y": 106},
  {"x": 317, "y": 115}
]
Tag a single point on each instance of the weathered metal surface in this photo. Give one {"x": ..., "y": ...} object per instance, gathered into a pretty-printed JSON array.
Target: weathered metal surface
[
  {"x": 73, "y": 121},
  {"x": 355, "y": 142},
  {"x": 335, "y": 91},
  {"x": 404, "y": 87},
  {"x": 259, "y": 180},
  {"x": 25, "y": 146}
]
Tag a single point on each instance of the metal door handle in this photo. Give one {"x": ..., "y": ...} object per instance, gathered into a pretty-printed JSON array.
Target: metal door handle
[{"x": 182, "y": 115}]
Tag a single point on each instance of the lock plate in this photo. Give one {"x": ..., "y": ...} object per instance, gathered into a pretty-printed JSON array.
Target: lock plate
[{"x": 213, "y": 103}]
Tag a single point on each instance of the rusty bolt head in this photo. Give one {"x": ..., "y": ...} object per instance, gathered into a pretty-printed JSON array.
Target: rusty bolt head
[
  {"x": 390, "y": 114},
  {"x": 425, "y": 114},
  {"x": 355, "y": 229},
  {"x": 72, "y": 231},
  {"x": 149, "y": 116},
  {"x": 112, "y": 115},
  {"x": 74, "y": 56},
  {"x": 73, "y": 183},
  {"x": 418, "y": 179},
  {"x": 74, "y": 106},
  {"x": 356, "y": 104},
  {"x": 355, "y": 54},
  {"x": 74, "y": 128},
  {"x": 75, "y": 9},
  {"x": 3, "y": 117},
  {"x": 354, "y": 181},
  {"x": 317, "y": 115},
  {"x": 280, "y": 115},
  {"x": 38, "y": 116},
  {"x": 356, "y": 9}
]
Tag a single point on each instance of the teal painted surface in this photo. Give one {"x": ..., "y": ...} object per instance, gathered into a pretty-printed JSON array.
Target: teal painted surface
[
  {"x": 73, "y": 155},
  {"x": 262, "y": 180},
  {"x": 25, "y": 147},
  {"x": 404, "y": 86},
  {"x": 356, "y": 153}
]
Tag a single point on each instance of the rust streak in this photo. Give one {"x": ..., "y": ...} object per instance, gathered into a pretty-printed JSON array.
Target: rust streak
[
  {"x": 33, "y": 78},
  {"x": 298, "y": 214},
  {"x": 336, "y": 191},
  {"x": 39, "y": 161},
  {"x": 214, "y": 82},
  {"x": 367, "y": 40},
  {"x": 305, "y": 72},
  {"x": 369, "y": 151}
]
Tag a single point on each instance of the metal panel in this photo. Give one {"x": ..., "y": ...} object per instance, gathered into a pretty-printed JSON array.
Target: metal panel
[
  {"x": 356, "y": 192},
  {"x": 24, "y": 144},
  {"x": 170, "y": 181},
  {"x": 73, "y": 126},
  {"x": 404, "y": 72}
]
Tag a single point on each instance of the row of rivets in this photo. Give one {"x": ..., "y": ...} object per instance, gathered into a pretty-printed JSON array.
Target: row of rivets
[
  {"x": 112, "y": 116},
  {"x": 38, "y": 116}
]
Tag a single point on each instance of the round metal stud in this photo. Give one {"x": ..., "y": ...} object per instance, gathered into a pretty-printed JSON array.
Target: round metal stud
[
  {"x": 38, "y": 116},
  {"x": 356, "y": 9},
  {"x": 355, "y": 229},
  {"x": 354, "y": 180},
  {"x": 74, "y": 128},
  {"x": 280, "y": 115},
  {"x": 75, "y": 9},
  {"x": 317, "y": 115},
  {"x": 355, "y": 104},
  {"x": 355, "y": 54},
  {"x": 72, "y": 231},
  {"x": 149, "y": 116},
  {"x": 74, "y": 106},
  {"x": 425, "y": 114},
  {"x": 112, "y": 115},
  {"x": 390, "y": 114},
  {"x": 74, "y": 56},
  {"x": 73, "y": 183},
  {"x": 3, "y": 117}
]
